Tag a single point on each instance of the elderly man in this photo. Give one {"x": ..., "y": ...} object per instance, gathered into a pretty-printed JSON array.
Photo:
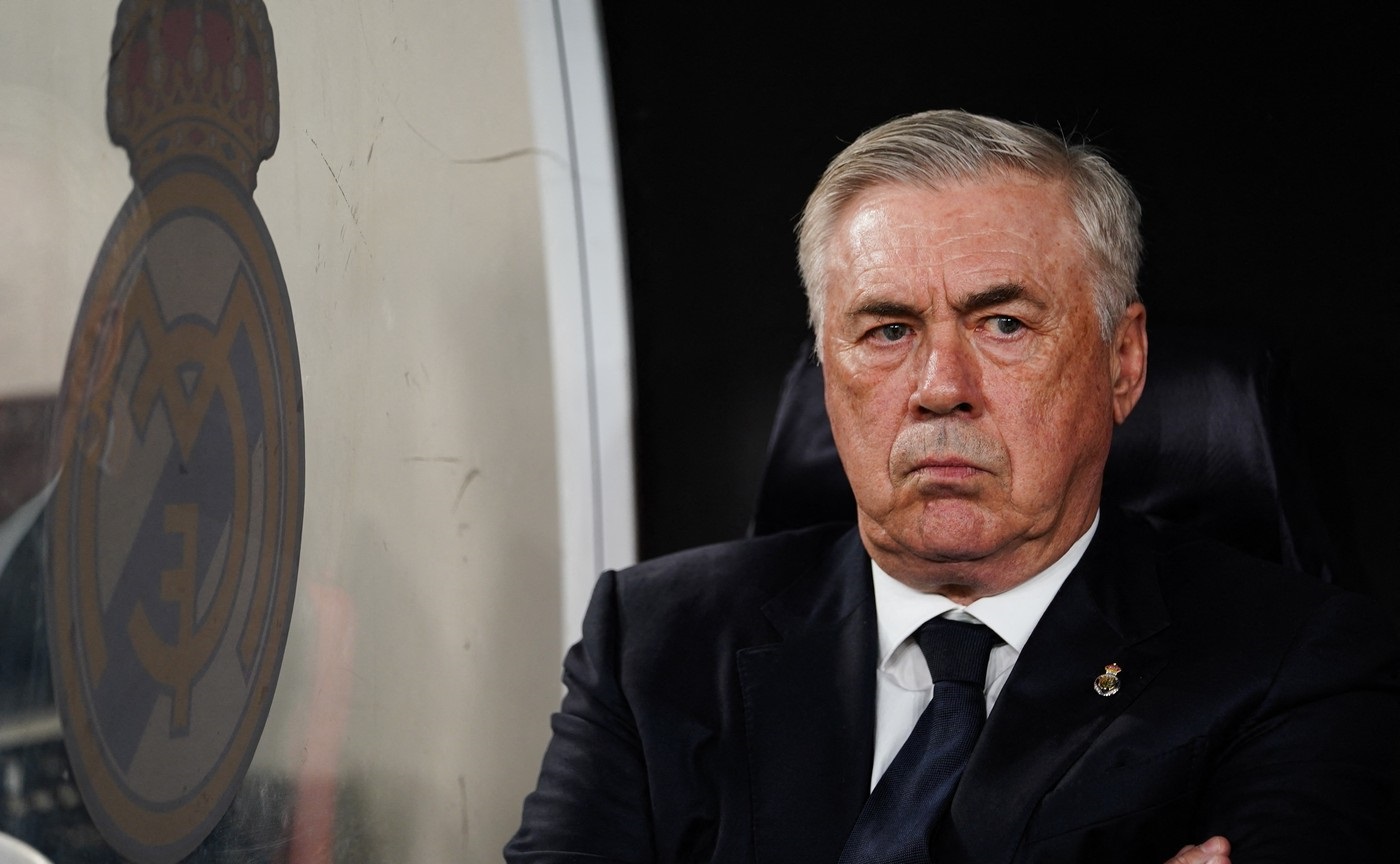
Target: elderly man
[{"x": 990, "y": 667}]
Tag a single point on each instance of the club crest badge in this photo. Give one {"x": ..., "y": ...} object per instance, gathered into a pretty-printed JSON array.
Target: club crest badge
[
  {"x": 175, "y": 524},
  {"x": 1108, "y": 683}
]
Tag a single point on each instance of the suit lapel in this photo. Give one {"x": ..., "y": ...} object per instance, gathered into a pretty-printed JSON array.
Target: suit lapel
[
  {"x": 1048, "y": 714},
  {"x": 809, "y": 706}
]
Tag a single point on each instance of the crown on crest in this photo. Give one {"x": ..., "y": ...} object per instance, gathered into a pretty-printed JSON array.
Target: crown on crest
[{"x": 193, "y": 79}]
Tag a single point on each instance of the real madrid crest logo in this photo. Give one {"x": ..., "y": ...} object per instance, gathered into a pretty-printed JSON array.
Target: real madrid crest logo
[
  {"x": 176, "y": 521},
  {"x": 1107, "y": 684}
]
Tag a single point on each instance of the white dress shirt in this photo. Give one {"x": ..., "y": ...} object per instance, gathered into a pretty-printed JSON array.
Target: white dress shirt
[{"x": 902, "y": 684}]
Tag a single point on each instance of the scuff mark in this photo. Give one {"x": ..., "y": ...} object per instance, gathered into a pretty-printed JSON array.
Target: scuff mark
[
  {"x": 483, "y": 160},
  {"x": 462, "y": 790},
  {"x": 452, "y": 459},
  {"x": 462, "y": 490},
  {"x": 502, "y": 157}
]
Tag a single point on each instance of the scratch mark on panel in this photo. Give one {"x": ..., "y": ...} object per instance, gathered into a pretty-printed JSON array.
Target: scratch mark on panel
[
  {"x": 462, "y": 490},
  {"x": 502, "y": 157},
  {"x": 483, "y": 160},
  {"x": 354, "y": 214},
  {"x": 462, "y": 789}
]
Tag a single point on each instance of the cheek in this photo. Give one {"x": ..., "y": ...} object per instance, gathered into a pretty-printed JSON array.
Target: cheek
[
  {"x": 871, "y": 400},
  {"x": 865, "y": 418},
  {"x": 1056, "y": 422},
  {"x": 1081, "y": 393}
]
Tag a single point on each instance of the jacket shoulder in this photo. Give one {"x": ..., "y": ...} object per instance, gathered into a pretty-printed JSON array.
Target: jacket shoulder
[
  {"x": 735, "y": 568},
  {"x": 1218, "y": 587}
]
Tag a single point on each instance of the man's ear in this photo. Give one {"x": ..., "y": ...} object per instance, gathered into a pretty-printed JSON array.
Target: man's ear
[{"x": 1128, "y": 360}]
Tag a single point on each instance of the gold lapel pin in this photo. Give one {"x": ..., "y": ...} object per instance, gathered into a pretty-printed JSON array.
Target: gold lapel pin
[{"x": 1107, "y": 683}]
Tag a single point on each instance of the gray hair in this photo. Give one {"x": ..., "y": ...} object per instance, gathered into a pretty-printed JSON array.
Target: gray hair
[{"x": 935, "y": 149}]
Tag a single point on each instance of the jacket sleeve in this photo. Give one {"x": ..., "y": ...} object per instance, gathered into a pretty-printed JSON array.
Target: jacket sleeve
[
  {"x": 1312, "y": 776},
  {"x": 591, "y": 803}
]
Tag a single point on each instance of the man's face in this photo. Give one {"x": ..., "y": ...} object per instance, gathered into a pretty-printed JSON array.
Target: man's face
[{"x": 970, "y": 392}]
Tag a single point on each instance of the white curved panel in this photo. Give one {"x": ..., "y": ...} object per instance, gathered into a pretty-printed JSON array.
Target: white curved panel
[{"x": 584, "y": 261}]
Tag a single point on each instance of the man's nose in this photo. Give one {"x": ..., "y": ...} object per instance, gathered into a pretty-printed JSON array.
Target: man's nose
[{"x": 946, "y": 376}]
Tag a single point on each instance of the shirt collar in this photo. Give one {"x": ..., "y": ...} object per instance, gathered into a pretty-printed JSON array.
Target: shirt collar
[{"x": 1012, "y": 614}]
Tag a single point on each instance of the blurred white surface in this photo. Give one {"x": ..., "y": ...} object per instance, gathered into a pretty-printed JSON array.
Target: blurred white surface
[{"x": 14, "y": 851}]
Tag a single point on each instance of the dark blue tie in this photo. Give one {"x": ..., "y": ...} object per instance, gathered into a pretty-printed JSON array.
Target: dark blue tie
[{"x": 913, "y": 794}]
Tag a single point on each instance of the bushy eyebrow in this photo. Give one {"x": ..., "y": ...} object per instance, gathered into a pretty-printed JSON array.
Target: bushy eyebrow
[
  {"x": 997, "y": 295},
  {"x": 884, "y": 309}
]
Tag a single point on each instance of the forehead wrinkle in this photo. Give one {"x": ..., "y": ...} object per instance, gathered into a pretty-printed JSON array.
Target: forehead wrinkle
[
  {"x": 919, "y": 265},
  {"x": 917, "y": 243},
  {"x": 888, "y": 248}
]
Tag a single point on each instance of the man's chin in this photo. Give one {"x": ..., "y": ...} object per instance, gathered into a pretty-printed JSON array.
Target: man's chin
[
  {"x": 951, "y": 533},
  {"x": 960, "y": 574}
]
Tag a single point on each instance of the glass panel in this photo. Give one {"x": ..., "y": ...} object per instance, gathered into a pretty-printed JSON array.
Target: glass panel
[{"x": 301, "y": 307}]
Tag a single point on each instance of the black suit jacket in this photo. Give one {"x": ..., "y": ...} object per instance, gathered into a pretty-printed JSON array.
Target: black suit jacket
[{"x": 720, "y": 708}]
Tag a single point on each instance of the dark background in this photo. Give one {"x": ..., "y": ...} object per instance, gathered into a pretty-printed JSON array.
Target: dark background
[{"x": 1262, "y": 149}]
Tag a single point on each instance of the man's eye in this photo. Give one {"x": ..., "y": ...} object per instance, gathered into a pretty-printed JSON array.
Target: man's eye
[
  {"x": 893, "y": 332},
  {"x": 1005, "y": 325}
]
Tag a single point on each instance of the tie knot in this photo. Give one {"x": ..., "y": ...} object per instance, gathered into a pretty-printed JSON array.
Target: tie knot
[{"x": 956, "y": 650}]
